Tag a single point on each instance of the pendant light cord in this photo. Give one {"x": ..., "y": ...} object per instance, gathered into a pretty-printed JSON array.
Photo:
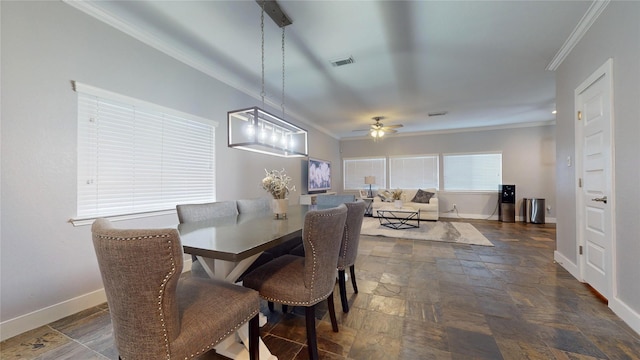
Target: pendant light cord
[
  {"x": 262, "y": 93},
  {"x": 282, "y": 105}
]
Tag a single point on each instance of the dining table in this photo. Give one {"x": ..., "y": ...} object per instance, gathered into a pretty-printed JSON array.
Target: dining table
[{"x": 227, "y": 246}]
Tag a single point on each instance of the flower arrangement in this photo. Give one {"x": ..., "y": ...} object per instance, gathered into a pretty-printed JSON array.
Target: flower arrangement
[
  {"x": 277, "y": 183},
  {"x": 396, "y": 194}
]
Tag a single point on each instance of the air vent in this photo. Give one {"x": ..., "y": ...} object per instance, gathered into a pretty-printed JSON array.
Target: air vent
[
  {"x": 342, "y": 62},
  {"x": 437, "y": 113}
]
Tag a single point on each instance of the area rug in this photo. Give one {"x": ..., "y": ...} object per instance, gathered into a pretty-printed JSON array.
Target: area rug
[{"x": 454, "y": 232}]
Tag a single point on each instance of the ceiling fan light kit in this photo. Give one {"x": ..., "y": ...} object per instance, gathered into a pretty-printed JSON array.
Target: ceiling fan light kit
[
  {"x": 254, "y": 129},
  {"x": 378, "y": 130}
]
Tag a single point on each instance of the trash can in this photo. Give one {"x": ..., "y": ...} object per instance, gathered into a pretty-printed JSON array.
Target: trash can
[{"x": 534, "y": 211}]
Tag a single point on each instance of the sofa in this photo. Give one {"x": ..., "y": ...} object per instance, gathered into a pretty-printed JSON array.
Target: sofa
[{"x": 428, "y": 210}]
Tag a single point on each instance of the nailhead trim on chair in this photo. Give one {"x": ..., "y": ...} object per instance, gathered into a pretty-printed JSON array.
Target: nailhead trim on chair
[{"x": 346, "y": 245}]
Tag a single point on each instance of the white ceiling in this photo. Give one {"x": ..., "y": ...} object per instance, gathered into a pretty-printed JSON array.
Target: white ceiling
[{"x": 483, "y": 62}]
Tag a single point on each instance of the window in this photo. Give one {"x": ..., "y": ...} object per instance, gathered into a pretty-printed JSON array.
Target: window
[
  {"x": 356, "y": 169},
  {"x": 413, "y": 172},
  {"x": 136, "y": 157},
  {"x": 474, "y": 172}
]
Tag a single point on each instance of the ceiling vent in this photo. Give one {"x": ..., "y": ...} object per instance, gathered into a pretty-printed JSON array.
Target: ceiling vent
[
  {"x": 342, "y": 62},
  {"x": 437, "y": 113}
]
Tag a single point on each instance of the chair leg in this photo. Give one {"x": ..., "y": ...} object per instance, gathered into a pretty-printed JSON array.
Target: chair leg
[
  {"x": 285, "y": 308},
  {"x": 254, "y": 335},
  {"x": 343, "y": 291},
  {"x": 270, "y": 305},
  {"x": 312, "y": 342},
  {"x": 352, "y": 268},
  {"x": 332, "y": 313}
]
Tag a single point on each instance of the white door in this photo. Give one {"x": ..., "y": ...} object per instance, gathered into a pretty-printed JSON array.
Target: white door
[{"x": 595, "y": 160}]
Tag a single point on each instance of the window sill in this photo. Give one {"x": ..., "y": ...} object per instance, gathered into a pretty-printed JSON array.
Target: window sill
[{"x": 88, "y": 221}]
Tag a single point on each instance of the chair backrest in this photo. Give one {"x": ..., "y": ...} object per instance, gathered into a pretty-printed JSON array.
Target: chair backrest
[
  {"x": 321, "y": 236},
  {"x": 334, "y": 200},
  {"x": 197, "y": 212},
  {"x": 140, "y": 271},
  {"x": 351, "y": 236},
  {"x": 254, "y": 206}
]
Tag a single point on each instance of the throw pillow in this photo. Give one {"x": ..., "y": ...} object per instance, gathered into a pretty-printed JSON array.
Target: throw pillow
[
  {"x": 384, "y": 195},
  {"x": 422, "y": 197}
]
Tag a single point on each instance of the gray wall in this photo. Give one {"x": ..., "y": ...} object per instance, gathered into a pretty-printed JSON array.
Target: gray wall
[
  {"x": 528, "y": 156},
  {"x": 47, "y": 266},
  {"x": 615, "y": 34}
]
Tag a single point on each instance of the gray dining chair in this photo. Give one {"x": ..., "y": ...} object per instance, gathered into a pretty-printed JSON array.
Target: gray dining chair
[
  {"x": 306, "y": 281},
  {"x": 156, "y": 313},
  {"x": 349, "y": 249},
  {"x": 253, "y": 206},
  {"x": 197, "y": 212},
  {"x": 188, "y": 213},
  {"x": 324, "y": 201}
]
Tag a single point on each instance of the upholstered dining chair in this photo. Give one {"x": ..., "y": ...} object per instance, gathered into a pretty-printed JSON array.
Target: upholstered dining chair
[
  {"x": 197, "y": 212},
  {"x": 306, "y": 281},
  {"x": 253, "y": 206},
  {"x": 349, "y": 249},
  {"x": 188, "y": 213},
  {"x": 155, "y": 313}
]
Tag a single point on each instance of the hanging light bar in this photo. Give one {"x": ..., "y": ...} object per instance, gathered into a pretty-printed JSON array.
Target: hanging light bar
[{"x": 256, "y": 130}]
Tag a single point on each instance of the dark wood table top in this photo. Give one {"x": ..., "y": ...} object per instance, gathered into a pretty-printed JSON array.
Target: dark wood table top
[{"x": 235, "y": 238}]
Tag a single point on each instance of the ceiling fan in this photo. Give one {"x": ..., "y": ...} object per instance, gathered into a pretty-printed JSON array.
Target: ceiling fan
[{"x": 378, "y": 129}]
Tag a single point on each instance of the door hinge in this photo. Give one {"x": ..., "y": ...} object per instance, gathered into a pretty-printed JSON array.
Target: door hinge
[
  {"x": 579, "y": 115},
  {"x": 580, "y": 249},
  {"x": 579, "y": 182}
]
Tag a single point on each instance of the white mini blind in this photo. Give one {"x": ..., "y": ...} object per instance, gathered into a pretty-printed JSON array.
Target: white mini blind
[
  {"x": 413, "y": 172},
  {"x": 473, "y": 172},
  {"x": 356, "y": 169},
  {"x": 136, "y": 157}
]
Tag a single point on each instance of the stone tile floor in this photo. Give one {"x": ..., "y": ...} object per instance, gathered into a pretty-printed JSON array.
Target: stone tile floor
[{"x": 417, "y": 300}]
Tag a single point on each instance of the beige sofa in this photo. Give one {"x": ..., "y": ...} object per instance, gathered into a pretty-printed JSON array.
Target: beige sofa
[{"x": 427, "y": 211}]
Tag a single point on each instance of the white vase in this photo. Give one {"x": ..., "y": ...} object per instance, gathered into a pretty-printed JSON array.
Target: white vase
[
  {"x": 397, "y": 204},
  {"x": 280, "y": 207}
]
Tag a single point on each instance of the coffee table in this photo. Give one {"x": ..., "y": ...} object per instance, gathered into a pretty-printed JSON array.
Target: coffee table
[{"x": 398, "y": 219}]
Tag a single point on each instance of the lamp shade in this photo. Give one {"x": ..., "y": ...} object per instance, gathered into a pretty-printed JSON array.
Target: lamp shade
[{"x": 369, "y": 180}]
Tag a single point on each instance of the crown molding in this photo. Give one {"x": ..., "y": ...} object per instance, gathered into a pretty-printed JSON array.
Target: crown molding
[
  {"x": 596, "y": 8},
  {"x": 453, "y": 131},
  {"x": 192, "y": 60}
]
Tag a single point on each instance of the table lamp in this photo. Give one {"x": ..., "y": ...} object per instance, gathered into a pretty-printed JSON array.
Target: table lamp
[{"x": 370, "y": 180}]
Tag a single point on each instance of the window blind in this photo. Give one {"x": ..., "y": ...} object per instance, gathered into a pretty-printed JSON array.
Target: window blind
[
  {"x": 355, "y": 169},
  {"x": 136, "y": 157},
  {"x": 413, "y": 172},
  {"x": 475, "y": 172}
]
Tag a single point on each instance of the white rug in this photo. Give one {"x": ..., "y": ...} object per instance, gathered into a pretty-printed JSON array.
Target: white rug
[{"x": 454, "y": 232}]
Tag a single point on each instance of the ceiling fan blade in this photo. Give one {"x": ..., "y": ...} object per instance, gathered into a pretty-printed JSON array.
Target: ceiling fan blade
[
  {"x": 394, "y": 126},
  {"x": 389, "y": 131},
  {"x": 361, "y": 130}
]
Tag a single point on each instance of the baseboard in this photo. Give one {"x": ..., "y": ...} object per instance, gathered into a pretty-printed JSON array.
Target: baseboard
[
  {"x": 627, "y": 314},
  {"x": 35, "y": 319},
  {"x": 548, "y": 220},
  {"x": 468, "y": 216},
  {"x": 38, "y": 318},
  {"x": 567, "y": 264}
]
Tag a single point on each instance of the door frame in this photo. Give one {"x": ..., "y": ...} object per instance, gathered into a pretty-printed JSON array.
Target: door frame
[{"x": 605, "y": 71}]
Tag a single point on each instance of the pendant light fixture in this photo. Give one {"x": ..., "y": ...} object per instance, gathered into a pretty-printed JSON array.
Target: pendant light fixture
[{"x": 254, "y": 129}]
